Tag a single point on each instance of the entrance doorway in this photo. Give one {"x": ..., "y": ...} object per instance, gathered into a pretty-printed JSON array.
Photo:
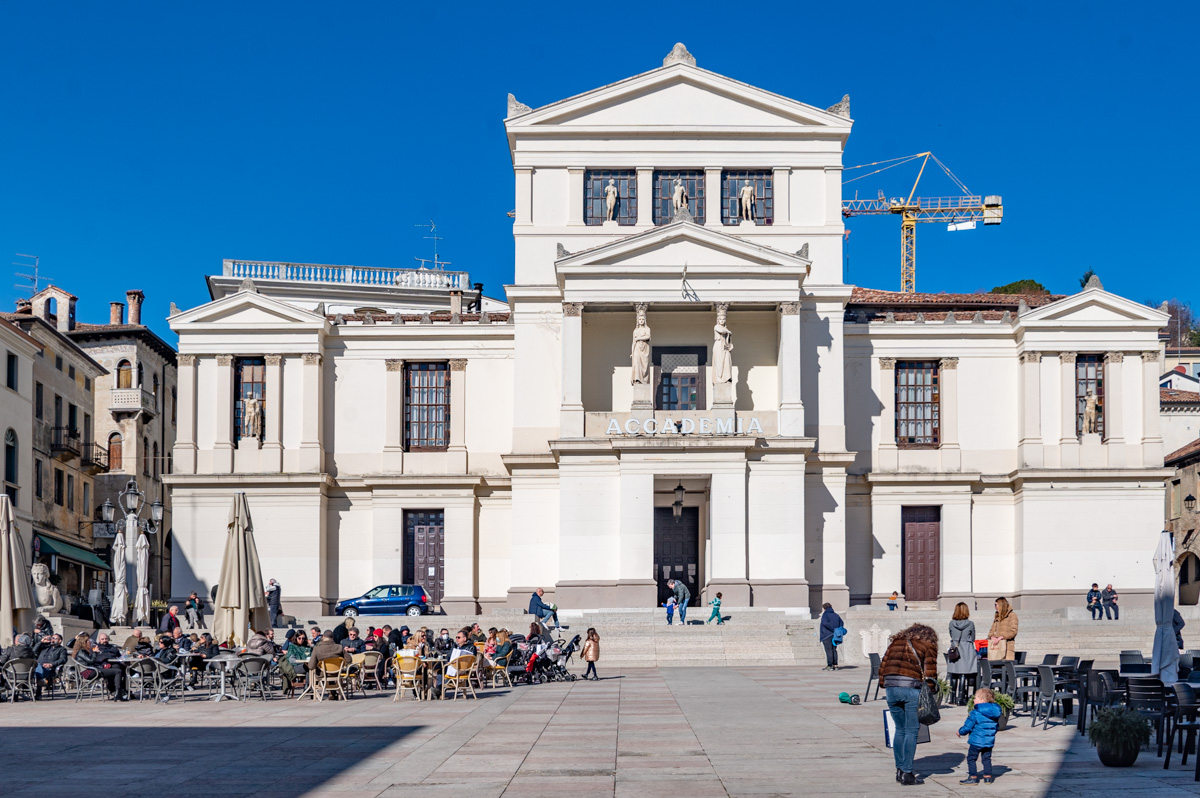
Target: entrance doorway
[
  {"x": 920, "y": 552},
  {"x": 424, "y": 551},
  {"x": 677, "y": 551}
]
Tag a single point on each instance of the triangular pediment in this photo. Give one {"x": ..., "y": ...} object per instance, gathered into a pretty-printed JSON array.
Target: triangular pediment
[
  {"x": 682, "y": 244},
  {"x": 1095, "y": 306},
  {"x": 247, "y": 309},
  {"x": 679, "y": 96}
]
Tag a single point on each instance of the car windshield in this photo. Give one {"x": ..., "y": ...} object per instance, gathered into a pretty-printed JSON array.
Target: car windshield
[{"x": 377, "y": 592}]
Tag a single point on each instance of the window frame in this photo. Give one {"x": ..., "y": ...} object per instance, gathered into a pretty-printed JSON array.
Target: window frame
[
  {"x": 764, "y": 196},
  {"x": 594, "y": 181},
  {"x": 60, "y": 479},
  {"x": 116, "y": 463},
  {"x": 664, "y": 189},
  {"x": 12, "y": 372},
  {"x": 38, "y": 492},
  {"x": 701, "y": 353},
  {"x": 12, "y": 464},
  {"x": 426, "y": 367},
  {"x": 255, "y": 387},
  {"x": 124, "y": 375},
  {"x": 39, "y": 396},
  {"x": 910, "y": 366},
  {"x": 1083, "y": 360},
  {"x": 70, "y": 505}
]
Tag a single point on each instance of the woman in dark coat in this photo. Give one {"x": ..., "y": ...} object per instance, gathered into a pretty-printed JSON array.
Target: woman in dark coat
[{"x": 962, "y": 638}]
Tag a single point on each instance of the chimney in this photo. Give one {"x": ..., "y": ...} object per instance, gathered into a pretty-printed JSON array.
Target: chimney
[
  {"x": 456, "y": 302},
  {"x": 116, "y": 312},
  {"x": 134, "y": 298}
]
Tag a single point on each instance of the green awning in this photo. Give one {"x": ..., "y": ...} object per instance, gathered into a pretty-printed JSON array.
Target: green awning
[{"x": 52, "y": 546}]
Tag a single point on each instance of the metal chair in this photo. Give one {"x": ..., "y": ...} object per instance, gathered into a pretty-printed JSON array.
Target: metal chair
[
  {"x": 1068, "y": 662},
  {"x": 1047, "y": 696},
  {"x": 143, "y": 676},
  {"x": 1183, "y": 718},
  {"x": 252, "y": 673},
  {"x": 18, "y": 677},
  {"x": 1050, "y": 659},
  {"x": 1149, "y": 699},
  {"x": 873, "y": 676},
  {"x": 73, "y": 673},
  {"x": 170, "y": 679}
]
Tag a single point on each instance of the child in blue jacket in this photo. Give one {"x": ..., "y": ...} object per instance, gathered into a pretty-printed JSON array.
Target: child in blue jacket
[{"x": 981, "y": 725}]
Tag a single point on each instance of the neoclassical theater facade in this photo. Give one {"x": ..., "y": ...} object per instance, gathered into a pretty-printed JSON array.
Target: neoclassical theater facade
[{"x": 678, "y": 384}]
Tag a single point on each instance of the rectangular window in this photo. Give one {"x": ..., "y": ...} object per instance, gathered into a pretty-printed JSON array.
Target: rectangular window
[
  {"x": 71, "y": 372},
  {"x": 71, "y": 492},
  {"x": 733, "y": 183},
  {"x": 1176, "y": 498},
  {"x": 38, "y": 392},
  {"x": 1089, "y": 378},
  {"x": 87, "y": 499},
  {"x": 596, "y": 191},
  {"x": 11, "y": 373},
  {"x": 679, "y": 377},
  {"x": 251, "y": 383},
  {"x": 59, "y": 480},
  {"x": 664, "y": 194},
  {"x": 58, "y": 362},
  {"x": 917, "y": 404},
  {"x": 426, "y": 406},
  {"x": 87, "y": 384},
  {"x": 37, "y": 479},
  {"x": 73, "y": 419}
]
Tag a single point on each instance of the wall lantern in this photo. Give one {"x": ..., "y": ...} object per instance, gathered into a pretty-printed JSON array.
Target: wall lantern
[
  {"x": 1190, "y": 502},
  {"x": 677, "y": 507}
]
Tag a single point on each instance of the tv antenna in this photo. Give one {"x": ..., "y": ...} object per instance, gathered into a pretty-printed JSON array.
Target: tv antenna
[
  {"x": 437, "y": 262},
  {"x": 35, "y": 280}
]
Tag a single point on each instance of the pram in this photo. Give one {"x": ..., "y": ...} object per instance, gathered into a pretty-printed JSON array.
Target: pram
[
  {"x": 556, "y": 659},
  {"x": 536, "y": 662}
]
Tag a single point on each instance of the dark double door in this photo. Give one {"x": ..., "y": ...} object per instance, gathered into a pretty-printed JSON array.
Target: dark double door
[
  {"x": 921, "y": 552},
  {"x": 425, "y": 552},
  {"x": 677, "y": 551}
]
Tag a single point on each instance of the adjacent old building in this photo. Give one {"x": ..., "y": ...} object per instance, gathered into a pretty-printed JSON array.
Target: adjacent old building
[{"x": 1183, "y": 518}]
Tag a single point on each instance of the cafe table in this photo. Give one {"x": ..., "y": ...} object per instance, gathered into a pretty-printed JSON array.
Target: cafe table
[{"x": 225, "y": 663}]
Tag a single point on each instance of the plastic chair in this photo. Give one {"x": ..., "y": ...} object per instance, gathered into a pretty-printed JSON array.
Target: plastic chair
[
  {"x": 873, "y": 676},
  {"x": 1047, "y": 696},
  {"x": 1020, "y": 657},
  {"x": 1131, "y": 657},
  {"x": 369, "y": 670},
  {"x": 1050, "y": 659},
  {"x": 330, "y": 677},
  {"x": 252, "y": 673},
  {"x": 1149, "y": 699},
  {"x": 1069, "y": 662},
  {"x": 1183, "y": 718}
]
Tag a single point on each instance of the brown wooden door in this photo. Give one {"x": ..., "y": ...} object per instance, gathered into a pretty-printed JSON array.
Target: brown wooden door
[
  {"x": 677, "y": 551},
  {"x": 425, "y": 552},
  {"x": 921, "y": 552}
]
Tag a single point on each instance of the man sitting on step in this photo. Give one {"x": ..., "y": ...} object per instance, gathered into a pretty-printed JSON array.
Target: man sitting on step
[{"x": 543, "y": 611}]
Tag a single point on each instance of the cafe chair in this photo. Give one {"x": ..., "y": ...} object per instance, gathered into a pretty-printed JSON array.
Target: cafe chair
[
  {"x": 18, "y": 678},
  {"x": 1047, "y": 696},
  {"x": 460, "y": 682},
  {"x": 1183, "y": 719},
  {"x": 407, "y": 677},
  {"x": 330, "y": 678}
]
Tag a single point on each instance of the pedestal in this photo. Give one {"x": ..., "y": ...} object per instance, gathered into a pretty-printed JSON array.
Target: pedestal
[
  {"x": 744, "y": 223},
  {"x": 69, "y": 626},
  {"x": 613, "y": 225},
  {"x": 722, "y": 407},
  {"x": 1091, "y": 451},
  {"x": 642, "y": 406},
  {"x": 249, "y": 443}
]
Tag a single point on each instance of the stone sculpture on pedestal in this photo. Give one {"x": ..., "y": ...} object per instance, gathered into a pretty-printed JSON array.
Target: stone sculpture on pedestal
[
  {"x": 746, "y": 200},
  {"x": 640, "y": 354},
  {"x": 722, "y": 348},
  {"x": 252, "y": 423},
  {"x": 679, "y": 197},
  {"x": 610, "y": 200},
  {"x": 49, "y": 599},
  {"x": 1091, "y": 414}
]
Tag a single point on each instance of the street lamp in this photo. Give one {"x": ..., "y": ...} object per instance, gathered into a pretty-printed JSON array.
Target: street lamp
[
  {"x": 131, "y": 499},
  {"x": 677, "y": 507},
  {"x": 107, "y": 511},
  {"x": 1190, "y": 502},
  {"x": 156, "y": 512}
]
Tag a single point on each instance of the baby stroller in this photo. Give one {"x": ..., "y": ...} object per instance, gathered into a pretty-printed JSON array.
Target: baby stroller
[
  {"x": 558, "y": 656},
  {"x": 520, "y": 662}
]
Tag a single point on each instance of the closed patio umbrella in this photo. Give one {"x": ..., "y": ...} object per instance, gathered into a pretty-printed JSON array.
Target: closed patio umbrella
[
  {"x": 141, "y": 602},
  {"x": 1165, "y": 662},
  {"x": 241, "y": 603},
  {"x": 16, "y": 591},
  {"x": 120, "y": 599}
]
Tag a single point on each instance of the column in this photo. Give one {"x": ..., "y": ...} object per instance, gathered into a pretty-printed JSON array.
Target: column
[
  {"x": 1152, "y": 442},
  {"x": 571, "y": 412},
  {"x": 1114, "y": 408},
  {"x": 457, "y": 449},
  {"x": 223, "y": 429},
  {"x": 889, "y": 453},
  {"x": 781, "y": 178},
  {"x": 310, "y": 436},
  {"x": 775, "y": 531},
  {"x": 645, "y": 196},
  {"x": 184, "y": 459},
  {"x": 575, "y": 195},
  {"x": 1068, "y": 442},
  {"x": 712, "y": 196},
  {"x": 831, "y": 429},
  {"x": 272, "y": 457},
  {"x": 791, "y": 404},
  {"x": 393, "y": 416},
  {"x": 951, "y": 454},
  {"x": 833, "y": 541},
  {"x": 727, "y": 538},
  {"x": 524, "y": 195},
  {"x": 1031, "y": 409},
  {"x": 461, "y": 555}
]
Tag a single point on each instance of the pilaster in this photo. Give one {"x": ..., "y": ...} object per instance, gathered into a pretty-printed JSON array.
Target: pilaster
[
  {"x": 712, "y": 196},
  {"x": 1152, "y": 442},
  {"x": 571, "y": 411},
  {"x": 781, "y": 177},
  {"x": 223, "y": 431},
  {"x": 457, "y": 450},
  {"x": 1031, "y": 409},
  {"x": 1114, "y": 408},
  {"x": 461, "y": 550},
  {"x": 1068, "y": 441},
  {"x": 524, "y": 196},
  {"x": 310, "y": 436},
  {"x": 951, "y": 453},
  {"x": 727, "y": 538},
  {"x": 575, "y": 176},
  {"x": 791, "y": 404},
  {"x": 272, "y": 448},
  {"x": 645, "y": 196},
  {"x": 184, "y": 460},
  {"x": 889, "y": 453},
  {"x": 393, "y": 416}
]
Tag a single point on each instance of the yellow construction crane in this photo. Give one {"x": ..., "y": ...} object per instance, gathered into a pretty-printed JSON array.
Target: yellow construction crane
[{"x": 959, "y": 213}]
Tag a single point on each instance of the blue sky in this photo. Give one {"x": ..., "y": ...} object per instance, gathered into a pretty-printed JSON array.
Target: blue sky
[{"x": 141, "y": 143}]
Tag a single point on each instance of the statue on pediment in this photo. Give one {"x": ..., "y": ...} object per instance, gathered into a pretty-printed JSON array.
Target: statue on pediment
[
  {"x": 640, "y": 355},
  {"x": 679, "y": 197},
  {"x": 610, "y": 200},
  {"x": 746, "y": 200},
  {"x": 722, "y": 348}
]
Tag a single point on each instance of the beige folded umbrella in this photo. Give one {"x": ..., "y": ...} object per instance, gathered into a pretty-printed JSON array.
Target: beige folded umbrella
[
  {"x": 16, "y": 591},
  {"x": 241, "y": 603}
]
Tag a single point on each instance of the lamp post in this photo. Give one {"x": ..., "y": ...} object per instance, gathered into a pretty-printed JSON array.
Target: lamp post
[{"x": 132, "y": 501}]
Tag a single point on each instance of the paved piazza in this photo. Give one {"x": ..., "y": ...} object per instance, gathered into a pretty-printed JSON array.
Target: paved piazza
[{"x": 685, "y": 732}]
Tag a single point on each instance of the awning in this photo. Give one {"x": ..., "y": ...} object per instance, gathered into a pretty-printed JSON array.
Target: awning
[{"x": 83, "y": 556}]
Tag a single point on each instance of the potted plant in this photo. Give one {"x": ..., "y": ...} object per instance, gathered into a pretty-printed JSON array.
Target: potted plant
[
  {"x": 1119, "y": 734},
  {"x": 943, "y": 691},
  {"x": 1006, "y": 704}
]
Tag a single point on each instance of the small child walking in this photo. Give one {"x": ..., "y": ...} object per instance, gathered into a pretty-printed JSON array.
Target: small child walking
[
  {"x": 591, "y": 653},
  {"x": 716, "y": 613},
  {"x": 670, "y": 605},
  {"x": 981, "y": 725}
]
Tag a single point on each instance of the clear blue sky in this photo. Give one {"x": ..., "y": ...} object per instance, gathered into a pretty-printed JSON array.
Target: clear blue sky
[{"x": 141, "y": 143}]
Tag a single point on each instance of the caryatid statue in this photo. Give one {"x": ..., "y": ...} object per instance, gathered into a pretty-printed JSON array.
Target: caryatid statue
[
  {"x": 722, "y": 348},
  {"x": 679, "y": 197},
  {"x": 746, "y": 200},
  {"x": 610, "y": 200},
  {"x": 1091, "y": 414},
  {"x": 640, "y": 354}
]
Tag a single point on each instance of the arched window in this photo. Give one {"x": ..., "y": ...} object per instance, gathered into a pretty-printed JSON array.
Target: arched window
[
  {"x": 155, "y": 391},
  {"x": 116, "y": 452},
  {"x": 10, "y": 465},
  {"x": 140, "y": 375},
  {"x": 156, "y": 459},
  {"x": 146, "y": 457},
  {"x": 124, "y": 375}
]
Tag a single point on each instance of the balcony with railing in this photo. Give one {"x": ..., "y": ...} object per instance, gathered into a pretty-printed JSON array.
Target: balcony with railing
[
  {"x": 94, "y": 458},
  {"x": 425, "y": 279},
  {"x": 132, "y": 400},
  {"x": 65, "y": 443}
]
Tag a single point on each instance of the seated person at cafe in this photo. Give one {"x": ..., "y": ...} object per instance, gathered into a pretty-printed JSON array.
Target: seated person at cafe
[
  {"x": 460, "y": 649},
  {"x": 342, "y": 630},
  {"x": 444, "y": 643},
  {"x": 20, "y": 649},
  {"x": 181, "y": 641},
  {"x": 101, "y": 657},
  {"x": 137, "y": 643},
  {"x": 51, "y": 656},
  {"x": 352, "y": 644},
  {"x": 477, "y": 635},
  {"x": 468, "y": 644},
  {"x": 504, "y": 649},
  {"x": 166, "y": 650},
  {"x": 326, "y": 648}
]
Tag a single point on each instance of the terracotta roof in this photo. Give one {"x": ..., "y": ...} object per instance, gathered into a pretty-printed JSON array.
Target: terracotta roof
[
  {"x": 1183, "y": 453},
  {"x": 876, "y": 298},
  {"x": 1173, "y": 396}
]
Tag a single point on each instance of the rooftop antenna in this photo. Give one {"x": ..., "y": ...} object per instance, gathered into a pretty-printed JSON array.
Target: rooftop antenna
[
  {"x": 433, "y": 236},
  {"x": 35, "y": 279}
]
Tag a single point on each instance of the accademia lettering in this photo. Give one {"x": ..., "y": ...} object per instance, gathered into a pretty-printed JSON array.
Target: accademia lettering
[{"x": 686, "y": 426}]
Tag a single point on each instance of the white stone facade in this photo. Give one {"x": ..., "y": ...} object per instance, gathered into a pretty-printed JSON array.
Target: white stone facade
[{"x": 556, "y": 466}]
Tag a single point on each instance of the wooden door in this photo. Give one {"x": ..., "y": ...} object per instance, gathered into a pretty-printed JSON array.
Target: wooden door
[
  {"x": 677, "y": 551},
  {"x": 425, "y": 551},
  {"x": 921, "y": 552}
]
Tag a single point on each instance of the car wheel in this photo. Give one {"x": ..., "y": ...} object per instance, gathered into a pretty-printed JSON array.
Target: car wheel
[
  {"x": 349, "y": 612},
  {"x": 414, "y": 611}
]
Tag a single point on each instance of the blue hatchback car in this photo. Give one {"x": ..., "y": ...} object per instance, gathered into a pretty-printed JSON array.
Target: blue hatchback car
[{"x": 386, "y": 600}]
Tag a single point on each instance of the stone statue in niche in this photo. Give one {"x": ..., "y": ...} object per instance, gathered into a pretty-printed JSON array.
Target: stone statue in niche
[
  {"x": 1091, "y": 414},
  {"x": 640, "y": 355},
  {"x": 722, "y": 348},
  {"x": 610, "y": 200},
  {"x": 252, "y": 422},
  {"x": 679, "y": 197},
  {"x": 48, "y": 598},
  {"x": 746, "y": 200}
]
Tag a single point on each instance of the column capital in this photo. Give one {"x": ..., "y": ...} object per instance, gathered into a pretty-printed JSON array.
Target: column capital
[
  {"x": 312, "y": 358},
  {"x": 1114, "y": 357},
  {"x": 274, "y": 360},
  {"x": 1149, "y": 357},
  {"x": 458, "y": 364},
  {"x": 224, "y": 360},
  {"x": 949, "y": 363},
  {"x": 187, "y": 361},
  {"x": 1031, "y": 357},
  {"x": 887, "y": 363},
  {"x": 1066, "y": 357},
  {"x": 789, "y": 308},
  {"x": 572, "y": 308},
  {"x": 393, "y": 364}
]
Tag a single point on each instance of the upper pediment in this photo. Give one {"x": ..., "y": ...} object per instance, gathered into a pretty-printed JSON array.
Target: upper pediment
[
  {"x": 679, "y": 96},
  {"x": 682, "y": 244},
  {"x": 248, "y": 310},
  {"x": 1095, "y": 306}
]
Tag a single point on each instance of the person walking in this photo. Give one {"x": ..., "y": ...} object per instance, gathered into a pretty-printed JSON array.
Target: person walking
[
  {"x": 1109, "y": 599},
  {"x": 1093, "y": 602},
  {"x": 716, "y": 613},
  {"x": 980, "y": 730},
  {"x": 1177, "y": 624},
  {"x": 830, "y": 623},
  {"x": 911, "y": 657},
  {"x": 1002, "y": 637},
  {"x": 591, "y": 654},
  {"x": 274, "y": 591},
  {"x": 682, "y": 597},
  {"x": 962, "y": 642},
  {"x": 670, "y": 605}
]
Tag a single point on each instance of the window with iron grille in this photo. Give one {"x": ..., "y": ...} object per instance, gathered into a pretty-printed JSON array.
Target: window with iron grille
[
  {"x": 10, "y": 464},
  {"x": 1089, "y": 376},
  {"x": 679, "y": 377},
  {"x": 426, "y": 406},
  {"x": 732, "y": 183},
  {"x": 251, "y": 383},
  {"x": 595, "y": 208},
  {"x": 664, "y": 194},
  {"x": 917, "y": 404}
]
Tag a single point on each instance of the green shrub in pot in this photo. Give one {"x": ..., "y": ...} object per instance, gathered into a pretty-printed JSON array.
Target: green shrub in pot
[{"x": 1119, "y": 734}]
